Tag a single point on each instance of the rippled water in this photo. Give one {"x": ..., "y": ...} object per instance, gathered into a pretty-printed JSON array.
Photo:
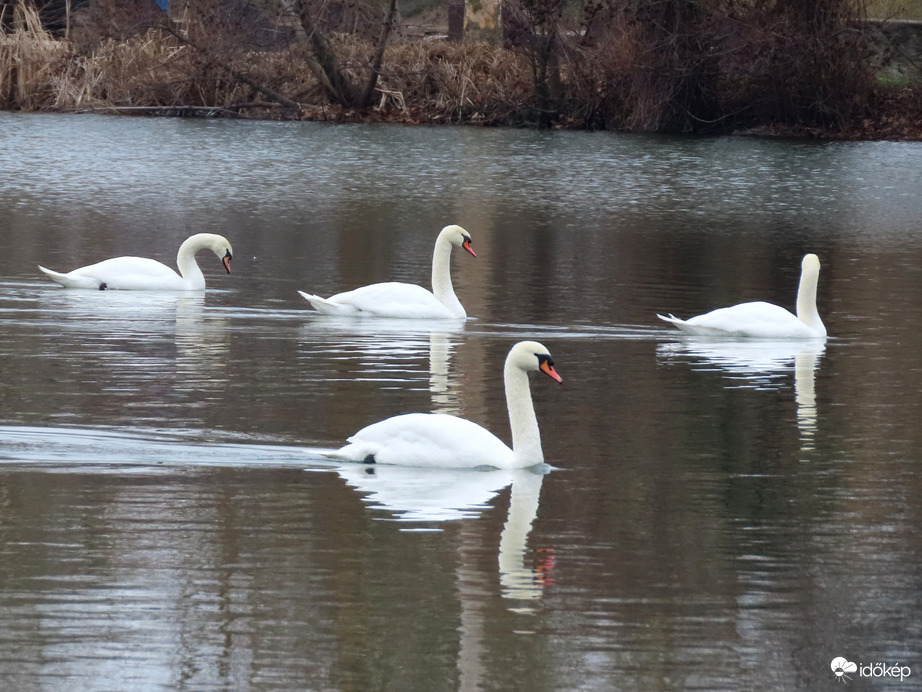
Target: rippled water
[{"x": 720, "y": 515}]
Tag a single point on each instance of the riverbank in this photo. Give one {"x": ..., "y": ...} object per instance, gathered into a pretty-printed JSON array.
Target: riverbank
[
  {"x": 894, "y": 114},
  {"x": 426, "y": 80}
]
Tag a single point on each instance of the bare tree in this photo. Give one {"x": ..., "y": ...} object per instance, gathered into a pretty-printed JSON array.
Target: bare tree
[
  {"x": 339, "y": 86},
  {"x": 535, "y": 27}
]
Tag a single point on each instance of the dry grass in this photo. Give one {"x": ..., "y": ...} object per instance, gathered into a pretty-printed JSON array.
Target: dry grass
[
  {"x": 30, "y": 62},
  {"x": 433, "y": 81},
  {"x": 452, "y": 82}
]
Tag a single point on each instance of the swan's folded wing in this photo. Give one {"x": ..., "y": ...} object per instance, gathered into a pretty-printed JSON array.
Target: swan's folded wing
[
  {"x": 755, "y": 320},
  {"x": 128, "y": 273},
  {"x": 389, "y": 299},
  {"x": 426, "y": 439}
]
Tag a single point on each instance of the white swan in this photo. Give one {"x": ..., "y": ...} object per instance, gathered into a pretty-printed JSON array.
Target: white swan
[
  {"x": 443, "y": 440},
  {"x": 142, "y": 274},
  {"x": 761, "y": 320},
  {"x": 394, "y": 299}
]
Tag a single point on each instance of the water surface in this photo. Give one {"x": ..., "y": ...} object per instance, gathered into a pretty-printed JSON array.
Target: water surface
[{"x": 720, "y": 515}]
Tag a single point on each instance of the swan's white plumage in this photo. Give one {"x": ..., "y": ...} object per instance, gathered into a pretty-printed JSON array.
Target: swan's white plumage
[
  {"x": 143, "y": 274},
  {"x": 428, "y": 439},
  {"x": 760, "y": 320},
  {"x": 403, "y": 300},
  {"x": 390, "y": 299},
  {"x": 442, "y": 440}
]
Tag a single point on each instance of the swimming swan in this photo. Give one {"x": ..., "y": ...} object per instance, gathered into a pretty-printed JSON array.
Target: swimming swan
[
  {"x": 142, "y": 274},
  {"x": 394, "y": 299},
  {"x": 443, "y": 440},
  {"x": 761, "y": 320}
]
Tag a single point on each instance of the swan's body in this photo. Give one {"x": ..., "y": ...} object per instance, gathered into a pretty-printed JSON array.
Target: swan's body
[
  {"x": 439, "y": 439},
  {"x": 760, "y": 320},
  {"x": 401, "y": 300},
  {"x": 142, "y": 274}
]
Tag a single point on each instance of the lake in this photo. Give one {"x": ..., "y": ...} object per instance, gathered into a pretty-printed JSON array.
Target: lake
[{"x": 717, "y": 515}]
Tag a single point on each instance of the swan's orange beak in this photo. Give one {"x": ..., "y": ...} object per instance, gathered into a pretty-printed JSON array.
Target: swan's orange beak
[
  {"x": 467, "y": 246},
  {"x": 226, "y": 261},
  {"x": 548, "y": 369}
]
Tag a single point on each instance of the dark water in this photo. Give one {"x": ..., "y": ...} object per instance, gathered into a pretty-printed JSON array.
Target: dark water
[{"x": 722, "y": 515}]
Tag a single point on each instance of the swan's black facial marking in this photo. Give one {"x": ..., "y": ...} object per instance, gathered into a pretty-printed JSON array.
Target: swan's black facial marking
[
  {"x": 227, "y": 260},
  {"x": 544, "y": 358},
  {"x": 546, "y": 365},
  {"x": 370, "y": 459},
  {"x": 103, "y": 286}
]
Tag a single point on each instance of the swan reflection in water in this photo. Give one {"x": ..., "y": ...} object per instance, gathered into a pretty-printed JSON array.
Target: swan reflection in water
[
  {"x": 431, "y": 495},
  {"x": 761, "y": 364},
  {"x": 200, "y": 334},
  {"x": 395, "y": 347},
  {"x": 202, "y": 348},
  {"x": 116, "y": 313},
  {"x": 146, "y": 342}
]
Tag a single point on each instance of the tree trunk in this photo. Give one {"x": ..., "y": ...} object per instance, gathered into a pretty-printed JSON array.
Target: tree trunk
[
  {"x": 369, "y": 92},
  {"x": 324, "y": 66},
  {"x": 455, "y": 20}
]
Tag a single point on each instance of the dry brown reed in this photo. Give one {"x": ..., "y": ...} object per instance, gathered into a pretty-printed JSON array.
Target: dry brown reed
[
  {"x": 459, "y": 82},
  {"x": 30, "y": 62}
]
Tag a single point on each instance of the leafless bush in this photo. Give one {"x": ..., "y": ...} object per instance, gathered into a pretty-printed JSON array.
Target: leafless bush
[
  {"x": 797, "y": 63},
  {"x": 714, "y": 65}
]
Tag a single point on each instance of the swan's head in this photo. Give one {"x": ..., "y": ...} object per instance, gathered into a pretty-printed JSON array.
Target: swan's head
[
  {"x": 220, "y": 246},
  {"x": 530, "y": 355},
  {"x": 458, "y": 237},
  {"x": 810, "y": 263}
]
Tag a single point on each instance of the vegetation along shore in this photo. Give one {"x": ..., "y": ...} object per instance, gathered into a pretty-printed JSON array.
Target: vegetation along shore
[{"x": 819, "y": 69}]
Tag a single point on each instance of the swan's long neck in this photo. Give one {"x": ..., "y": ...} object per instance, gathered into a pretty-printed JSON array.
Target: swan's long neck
[
  {"x": 188, "y": 267},
  {"x": 441, "y": 278},
  {"x": 806, "y": 299},
  {"x": 526, "y": 439}
]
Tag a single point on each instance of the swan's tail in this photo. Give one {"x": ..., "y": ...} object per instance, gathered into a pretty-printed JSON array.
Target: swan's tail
[
  {"x": 63, "y": 279},
  {"x": 73, "y": 280},
  {"x": 345, "y": 453},
  {"x": 672, "y": 319},
  {"x": 55, "y": 276},
  {"x": 695, "y": 329},
  {"x": 680, "y": 324},
  {"x": 327, "y": 307}
]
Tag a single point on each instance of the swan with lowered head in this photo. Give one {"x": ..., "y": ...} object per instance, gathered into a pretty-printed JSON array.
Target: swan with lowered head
[
  {"x": 443, "y": 440},
  {"x": 142, "y": 274},
  {"x": 760, "y": 320},
  {"x": 402, "y": 300}
]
